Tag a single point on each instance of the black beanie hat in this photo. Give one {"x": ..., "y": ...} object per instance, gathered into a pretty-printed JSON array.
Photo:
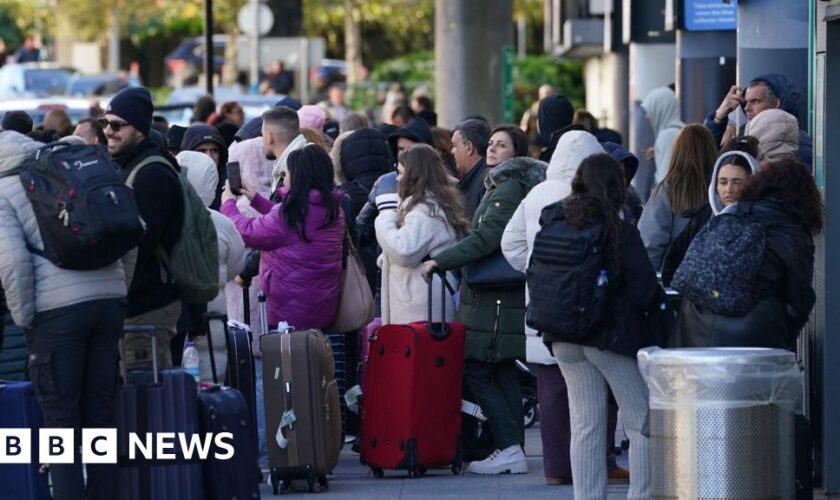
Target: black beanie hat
[{"x": 134, "y": 105}]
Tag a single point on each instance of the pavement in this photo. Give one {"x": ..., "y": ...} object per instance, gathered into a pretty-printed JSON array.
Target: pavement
[{"x": 352, "y": 480}]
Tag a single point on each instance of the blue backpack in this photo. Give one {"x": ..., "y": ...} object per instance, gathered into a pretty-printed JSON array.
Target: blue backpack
[{"x": 720, "y": 267}]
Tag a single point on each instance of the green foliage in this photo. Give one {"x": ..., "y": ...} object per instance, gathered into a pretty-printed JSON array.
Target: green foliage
[
  {"x": 566, "y": 76},
  {"x": 415, "y": 67},
  {"x": 389, "y": 28},
  {"x": 10, "y": 32},
  {"x": 528, "y": 74}
]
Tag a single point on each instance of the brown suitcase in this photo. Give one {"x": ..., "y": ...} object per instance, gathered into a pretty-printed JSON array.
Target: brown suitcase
[{"x": 299, "y": 380}]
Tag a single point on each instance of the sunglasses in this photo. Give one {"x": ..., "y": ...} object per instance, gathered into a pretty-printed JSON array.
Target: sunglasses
[{"x": 115, "y": 125}]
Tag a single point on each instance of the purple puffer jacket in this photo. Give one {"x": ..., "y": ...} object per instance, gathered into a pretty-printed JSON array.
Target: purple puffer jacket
[{"x": 302, "y": 280}]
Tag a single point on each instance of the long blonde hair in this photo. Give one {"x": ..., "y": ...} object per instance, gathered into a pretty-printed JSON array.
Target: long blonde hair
[
  {"x": 690, "y": 171},
  {"x": 424, "y": 178}
]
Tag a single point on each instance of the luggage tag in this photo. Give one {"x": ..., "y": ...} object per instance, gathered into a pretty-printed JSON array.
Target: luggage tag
[
  {"x": 352, "y": 397},
  {"x": 287, "y": 420},
  {"x": 473, "y": 409},
  {"x": 232, "y": 323}
]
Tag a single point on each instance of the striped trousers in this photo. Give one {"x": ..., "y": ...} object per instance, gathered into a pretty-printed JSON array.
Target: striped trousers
[{"x": 587, "y": 371}]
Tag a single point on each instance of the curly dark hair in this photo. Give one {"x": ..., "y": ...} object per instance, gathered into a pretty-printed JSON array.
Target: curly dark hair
[{"x": 790, "y": 183}]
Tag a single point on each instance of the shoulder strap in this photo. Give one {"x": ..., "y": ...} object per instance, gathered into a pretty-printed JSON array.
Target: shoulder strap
[{"x": 148, "y": 161}]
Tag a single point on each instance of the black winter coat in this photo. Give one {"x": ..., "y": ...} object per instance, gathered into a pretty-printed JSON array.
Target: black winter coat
[
  {"x": 631, "y": 298},
  {"x": 783, "y": 290},
  {"x": 472, "y": 186},
  {"x": 697, "y": 218},
  {"x": 158, "y": 195},
  {"x": 364, "y": 158}
]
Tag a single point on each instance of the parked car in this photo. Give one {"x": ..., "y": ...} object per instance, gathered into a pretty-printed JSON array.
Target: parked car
[
  {"x": 186, "y": 63},
  {"x": 98, "y": 85},
  {"x": 33, "y": 79},
  {"x": 178, "y": 109},
  {"x": 38, "y": 108}
]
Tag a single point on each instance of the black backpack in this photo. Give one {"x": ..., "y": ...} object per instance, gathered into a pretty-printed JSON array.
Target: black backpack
[
  {"x": 567, "y": 278},
  {"x": 86, "y": 214}
]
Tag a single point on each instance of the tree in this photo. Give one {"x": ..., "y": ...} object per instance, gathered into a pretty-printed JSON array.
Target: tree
[{"x": 388, "y": 28}]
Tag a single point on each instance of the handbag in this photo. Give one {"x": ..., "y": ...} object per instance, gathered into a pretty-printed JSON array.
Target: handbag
[
  {"x": 493, "y": 271},
  {"x": 355, "y": 304}
]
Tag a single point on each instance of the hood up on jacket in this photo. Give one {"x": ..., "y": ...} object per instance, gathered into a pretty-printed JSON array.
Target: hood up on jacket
[
  {"x": 626, "y": 158},
  {"x": 16, "y": 149},
  {"x": 663, "y": 108},
  {"x": 364, "y": 153},
  {"x": 787, "y": 90},
  {"x": 528, "y": 171},
  {"x": 777, "y": 132},
  {"x": 572, "y": 148},
  {"x": 201, "y": 172},
  {"x": 416, "y": 130},
  {"x": 254, "y": 166},
  {"x": 555, "y": 112},
  {"x": 198, "y": 134},
  {"x": 252, "y": 128},
  {"x": 714, "y": 200}
]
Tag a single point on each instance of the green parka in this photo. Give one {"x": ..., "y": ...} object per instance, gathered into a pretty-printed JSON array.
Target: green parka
[{"x": 482, "y": 309}]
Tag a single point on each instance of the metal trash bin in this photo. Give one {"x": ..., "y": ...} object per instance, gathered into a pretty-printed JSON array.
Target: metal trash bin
[{"x": 721, "y": 422}]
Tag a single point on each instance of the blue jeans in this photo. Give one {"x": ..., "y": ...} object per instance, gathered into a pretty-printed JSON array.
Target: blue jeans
[{"x": 263, "y": 444}]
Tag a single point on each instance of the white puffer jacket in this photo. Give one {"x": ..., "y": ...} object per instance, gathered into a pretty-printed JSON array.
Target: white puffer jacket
[
  {"x": 404, "y": 292},
  {"x": 32, "y": 283},
  {"x": 202, "y": 174},
  {"x": 518, "y": 238}
]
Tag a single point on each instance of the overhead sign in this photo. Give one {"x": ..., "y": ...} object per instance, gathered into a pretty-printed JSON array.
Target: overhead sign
[{"x": 710, "y": 15}]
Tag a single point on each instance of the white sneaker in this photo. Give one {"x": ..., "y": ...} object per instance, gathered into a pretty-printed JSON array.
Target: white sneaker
[{"x": 511, "y": 460}]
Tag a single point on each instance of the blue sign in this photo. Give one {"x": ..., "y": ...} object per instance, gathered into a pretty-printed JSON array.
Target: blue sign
[{"x": 710, "y": 15}]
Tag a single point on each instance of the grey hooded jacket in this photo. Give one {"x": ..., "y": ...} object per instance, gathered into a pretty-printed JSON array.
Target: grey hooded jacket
[{"x": 32, "y": 283}]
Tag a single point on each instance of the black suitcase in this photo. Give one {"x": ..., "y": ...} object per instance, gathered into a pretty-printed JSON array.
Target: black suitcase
[
  {"x": 157, "y": 401},
  {"x": 241, "y": 372},
  {"x": 222, "y": 409}
]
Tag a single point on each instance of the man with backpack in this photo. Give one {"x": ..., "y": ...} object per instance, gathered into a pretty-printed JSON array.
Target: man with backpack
[
  {"x": 71, "y": 304},
  {"x": 152, "y": 299}
]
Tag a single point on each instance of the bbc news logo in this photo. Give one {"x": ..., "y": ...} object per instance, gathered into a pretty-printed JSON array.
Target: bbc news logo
[{"x": 99, "y": 446}]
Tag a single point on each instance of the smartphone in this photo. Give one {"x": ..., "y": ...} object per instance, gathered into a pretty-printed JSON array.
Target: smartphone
[{"x": 234, "y": 177}]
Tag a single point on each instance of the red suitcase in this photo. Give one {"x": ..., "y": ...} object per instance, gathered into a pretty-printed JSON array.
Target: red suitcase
[{"x": 411, "y": 406}]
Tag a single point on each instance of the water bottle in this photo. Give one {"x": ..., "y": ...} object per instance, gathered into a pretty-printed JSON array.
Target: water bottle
[
  {"x": 189, "y": 362},
  {"x": 602, "y": 279}
]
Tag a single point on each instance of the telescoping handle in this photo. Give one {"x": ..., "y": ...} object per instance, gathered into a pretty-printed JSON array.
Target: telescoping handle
[
  {"x": 261, "y": 298},
  {"x": 443, "y": 331},
  {"x": 151, "y": 331},
  {"x": 212, "y": 316}
]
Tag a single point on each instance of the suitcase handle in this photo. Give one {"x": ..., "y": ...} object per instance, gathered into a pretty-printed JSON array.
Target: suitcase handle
[
  {"x": 443, "y": 332},
  {"x": 261, "y": 298},
  {"x": 212, "y": 316},
  {"x": 152, "y": 332}
]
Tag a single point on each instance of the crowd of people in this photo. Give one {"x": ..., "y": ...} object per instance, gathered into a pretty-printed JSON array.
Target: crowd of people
[{"x": 416, "y": 198}]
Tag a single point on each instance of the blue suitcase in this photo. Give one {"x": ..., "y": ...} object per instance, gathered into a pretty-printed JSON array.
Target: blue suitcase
[
  {"x": 19, "y": 409},
  {"x": 223, "y": 409},
  {"x": 158, "y": 401}
]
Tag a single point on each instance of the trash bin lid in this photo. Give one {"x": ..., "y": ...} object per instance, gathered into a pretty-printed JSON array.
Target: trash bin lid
[
  {"x": 718, "y": 356},
  {"x": 725, "y": 377}
]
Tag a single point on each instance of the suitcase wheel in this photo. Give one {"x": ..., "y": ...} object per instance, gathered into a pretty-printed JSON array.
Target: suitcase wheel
[
  {"x": 314, "y": 486},
  {"x": 456, "y": 469},
  {"x": 421, "y": 471},
  {"x": 377, "y": 472}
]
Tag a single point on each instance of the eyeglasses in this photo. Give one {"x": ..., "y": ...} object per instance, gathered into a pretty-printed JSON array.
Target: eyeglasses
[{"x": 115, "y": 125}]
